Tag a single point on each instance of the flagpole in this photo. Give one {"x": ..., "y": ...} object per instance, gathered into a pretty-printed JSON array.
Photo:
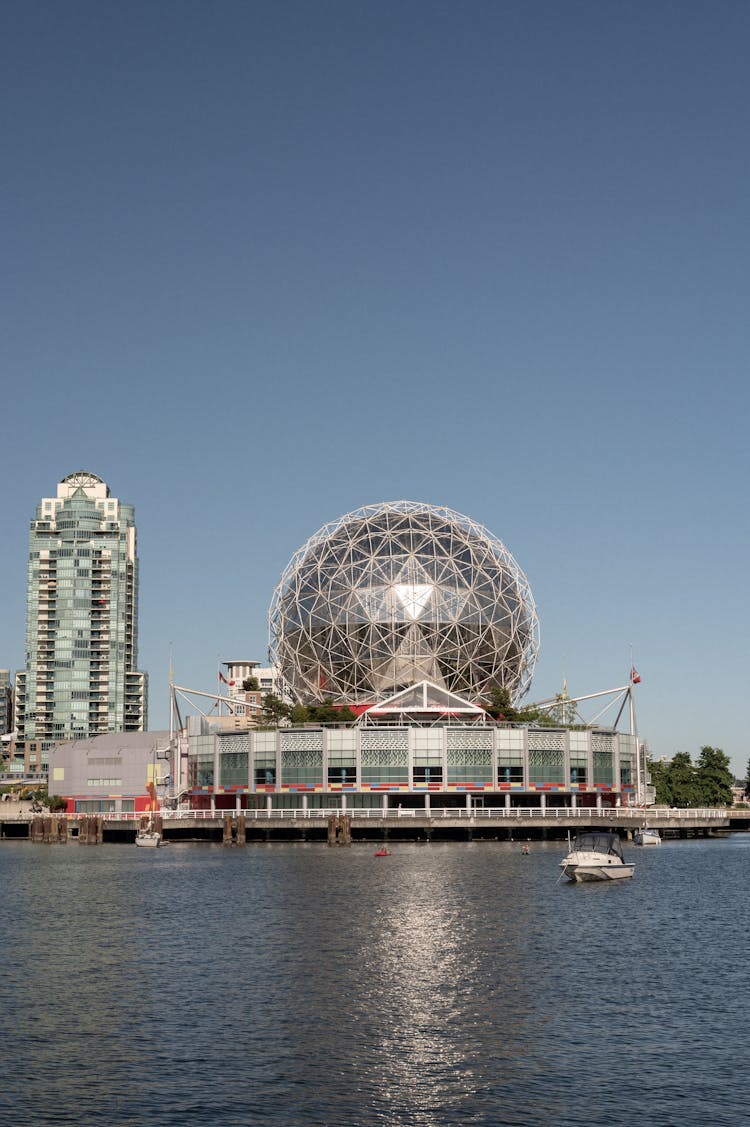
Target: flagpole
[{"x": 640, "y": 769}]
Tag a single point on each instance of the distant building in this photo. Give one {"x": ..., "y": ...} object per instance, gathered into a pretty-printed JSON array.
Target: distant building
[
  {"x": 80, "y": 678},
  {"x": 270, "y": 681},
  {"x": 110, "y": 773},
  {"x": 248, "y": 701}
]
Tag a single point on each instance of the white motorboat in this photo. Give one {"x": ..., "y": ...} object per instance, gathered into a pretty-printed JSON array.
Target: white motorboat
[
  {"x": 646, "y": 835},
  {"x": 596, "y": 855}
]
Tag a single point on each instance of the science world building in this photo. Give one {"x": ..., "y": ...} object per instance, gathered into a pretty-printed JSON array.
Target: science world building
[
  {"x": 408, "y": 615},
  {"x": 397, "y": 593},
  {"x": 403, "y": 760}
]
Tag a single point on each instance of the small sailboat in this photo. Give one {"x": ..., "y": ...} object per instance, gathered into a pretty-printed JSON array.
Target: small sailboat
[
  {"x": 647, "y": 835},
  {"x": 148, "y": 837}
]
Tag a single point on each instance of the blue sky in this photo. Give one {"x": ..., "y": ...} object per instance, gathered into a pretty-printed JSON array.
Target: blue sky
[{"x": 264, "y": 263}]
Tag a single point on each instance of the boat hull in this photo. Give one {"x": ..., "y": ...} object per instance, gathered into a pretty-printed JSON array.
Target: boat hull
[
  {"x": 148, "y": 840},
  {"x": 591, "y": 872},
  {"x": 647, "y": 837}
]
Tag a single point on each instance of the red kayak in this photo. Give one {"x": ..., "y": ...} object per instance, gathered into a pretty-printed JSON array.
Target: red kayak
[{"x": 382, "y": 853}]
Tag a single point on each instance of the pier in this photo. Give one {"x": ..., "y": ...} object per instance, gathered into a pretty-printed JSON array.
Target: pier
[{"x": 237, "y": 828}]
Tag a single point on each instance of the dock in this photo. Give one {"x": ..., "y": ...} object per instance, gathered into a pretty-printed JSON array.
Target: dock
[{"x": 338, "y": 828}]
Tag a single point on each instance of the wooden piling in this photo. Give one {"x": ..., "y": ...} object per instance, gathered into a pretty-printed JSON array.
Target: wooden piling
[
  {"x": 91, "y": 829},
  {"x": 233, "y": 830},
  {"x": 339, "y": 829}
]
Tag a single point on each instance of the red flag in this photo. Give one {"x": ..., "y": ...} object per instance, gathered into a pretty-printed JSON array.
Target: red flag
[
  {"x": 223, "y": 678},
  {"x": 635, "y": 676}
]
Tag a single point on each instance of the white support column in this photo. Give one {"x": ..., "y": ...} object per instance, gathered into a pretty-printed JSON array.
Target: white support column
[
  {"x": 574, "y": 801},
  {"x": 213, "y": 806},
  {"x": 598, "y": 800},
  {"x": 468, "y": 804},
  {"x": 304, "y": 803},
  {"x": 269, "y": 804},
  {"x": 543, "y": 803},
  {"x": 384, "y": 801},
  {"x": 237, "y": 803},
  {"x": 343, "y": 802},
  {"x": 427, "y": 804},
  {"x": 507, "y": 801}
]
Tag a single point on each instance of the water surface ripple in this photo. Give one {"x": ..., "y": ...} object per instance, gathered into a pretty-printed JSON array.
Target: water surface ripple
[{"x": 301, "y": 985}]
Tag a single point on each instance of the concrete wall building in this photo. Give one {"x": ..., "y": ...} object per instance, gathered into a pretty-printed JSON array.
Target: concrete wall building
[
  {"x": 80, "y": 678},
  {"x": 110, "y": 773}
]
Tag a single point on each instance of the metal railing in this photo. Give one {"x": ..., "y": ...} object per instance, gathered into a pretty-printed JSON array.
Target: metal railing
[
  {"x": 459, "y": 812},
  {"x": 555, "y": 813},
  {"x": 515, "y": 812}
]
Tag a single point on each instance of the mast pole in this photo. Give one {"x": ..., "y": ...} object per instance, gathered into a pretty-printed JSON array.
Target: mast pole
[{"x": 639, "y": 770}]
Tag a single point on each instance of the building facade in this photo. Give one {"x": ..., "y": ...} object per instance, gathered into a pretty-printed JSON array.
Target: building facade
[
  {"x": 110, "y": 774},
  {"x": 6, "y": 709},
  {"x": 80, "y": 678},
  {"x": 439, "y": 765}
]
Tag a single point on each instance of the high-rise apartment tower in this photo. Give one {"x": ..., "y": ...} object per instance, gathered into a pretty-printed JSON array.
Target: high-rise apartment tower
[
  {"x": 81, "y": 619},
  {"x": 6, "y": 698}
]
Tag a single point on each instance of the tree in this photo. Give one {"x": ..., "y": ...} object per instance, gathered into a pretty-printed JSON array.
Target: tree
[
  {"x": 275, "y": 709},
  {"x": 658, "y": 774},
  {"x": 251, "y": 685},
  {"x": 679, "y": 783},
  {"x": 683, "y": 785},
  {"x": 327, "y": 713},
  {"x": 747, "y": 780},
  {"x": 715, "y": 778},
  {"x": 500, "y": 707}
]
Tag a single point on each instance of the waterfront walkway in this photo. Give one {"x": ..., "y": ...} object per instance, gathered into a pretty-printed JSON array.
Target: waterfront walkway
[{"x": 482, "y": 822}]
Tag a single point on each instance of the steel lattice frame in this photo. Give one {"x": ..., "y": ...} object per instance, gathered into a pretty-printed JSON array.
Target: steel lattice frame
[{"x": 396, "y": 593}]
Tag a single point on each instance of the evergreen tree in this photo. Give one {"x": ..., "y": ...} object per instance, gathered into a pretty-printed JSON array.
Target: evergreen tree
[
  {"x": 500, "y": 707},
  {"x": 683, "y": 785},
  {"x": 679, "y": 783},
  {"x": 275, "y": 709},
  {"x": 714, "y": 777}
]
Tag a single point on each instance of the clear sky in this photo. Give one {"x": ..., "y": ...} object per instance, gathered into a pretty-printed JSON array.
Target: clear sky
[{"x": 266, "y": 262}]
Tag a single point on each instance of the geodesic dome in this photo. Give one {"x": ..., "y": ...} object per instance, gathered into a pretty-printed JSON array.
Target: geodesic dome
[{"x": 397, "y": 593}]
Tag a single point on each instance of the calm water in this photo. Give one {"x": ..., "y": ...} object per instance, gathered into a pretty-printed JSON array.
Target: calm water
[{"x": 446, "y": 984}]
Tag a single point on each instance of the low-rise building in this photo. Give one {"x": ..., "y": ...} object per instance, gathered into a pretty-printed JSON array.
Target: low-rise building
[{"x": 110, "y": 773}]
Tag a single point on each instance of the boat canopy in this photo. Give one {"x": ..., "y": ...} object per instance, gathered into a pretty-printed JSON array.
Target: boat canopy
[{"x": 598, "y": 842}]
